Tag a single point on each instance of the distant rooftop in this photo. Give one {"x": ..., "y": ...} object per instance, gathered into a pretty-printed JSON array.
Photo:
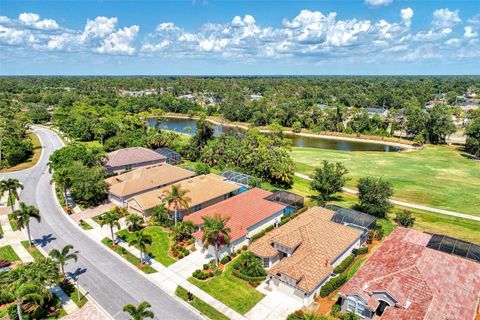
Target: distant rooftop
[{"x": 126, "y": 156}]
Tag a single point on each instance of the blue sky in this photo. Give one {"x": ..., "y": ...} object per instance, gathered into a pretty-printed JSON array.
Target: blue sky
[{"x": 239, "y": 37}]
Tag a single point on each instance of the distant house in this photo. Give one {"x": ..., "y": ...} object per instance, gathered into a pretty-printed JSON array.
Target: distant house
[
  {"x": 255, "y": 97},
  {"x": 324, "y": 107},
  {"x": 382, "y": 112},
  {"x": 302, "y": 253},
  {"x": 409, "y": 277},
  {"x": 187, "y": 97},
  {"x": 204, "y": 191},
  {"x": 468, "y": 105},
  {"x": 127, "y": 185},
  {"x": 128, "y": 159},
  {"x": 248, "y": 213}
]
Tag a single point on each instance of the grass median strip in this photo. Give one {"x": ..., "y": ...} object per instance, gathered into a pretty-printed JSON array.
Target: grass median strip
[
  {"x": 85, "y": 226},
  {"x": 13, "y": 223},
  {"x": 34, "y": 252},
  {"x": 128, "y": 256},
  {"x": 204, "y": 308},
  {"x": 71, "y": 291}
]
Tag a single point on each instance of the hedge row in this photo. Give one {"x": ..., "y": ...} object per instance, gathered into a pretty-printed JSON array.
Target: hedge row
[
  {"x": 361, "y": 251},
  {"x": 240, "y": 275},
  {"x": 345, "y": 264},
  {"x": 199, "y": 274},
  {"x": 333, "y": 284}
]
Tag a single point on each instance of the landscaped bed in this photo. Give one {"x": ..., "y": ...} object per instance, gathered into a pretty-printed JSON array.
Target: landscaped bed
[
  {"x": 85, "y": 226},
  {"x": 232, "y": 291},
  {"x": 36, "y": 254},
  {"x": 160, "y": 243},
  {"x": 204, "y": 308},
  {"x": 128, "y": 256},
  {"x": 8, "y": 254}
]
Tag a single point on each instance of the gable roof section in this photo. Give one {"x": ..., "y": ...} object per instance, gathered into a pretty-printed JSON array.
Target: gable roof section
[
  {"x": 146, "y": 178},
  {"x": 244, "y": 211},
  {"x": 318, "y": 242},
  {"x": 201, "y": 188},
  {"x": 427, "y": 284},
  {"x": 126, "y": 156}
]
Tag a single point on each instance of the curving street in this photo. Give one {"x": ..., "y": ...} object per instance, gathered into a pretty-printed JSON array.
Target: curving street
[{"x": 111, "y": 282}]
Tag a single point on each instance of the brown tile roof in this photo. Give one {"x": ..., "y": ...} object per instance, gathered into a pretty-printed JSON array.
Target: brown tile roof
[
  {"x": 318, "y": 242},
  {"x": 146, "y": 178},
  {"x": 428, "y": 284},
  {"x": 202, "y": 189},
  {"x": 244, "y": 210},
  {"x": 123, "y": 157}
]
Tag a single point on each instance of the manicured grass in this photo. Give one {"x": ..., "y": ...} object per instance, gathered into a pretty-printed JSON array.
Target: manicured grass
[
  {"x": 159, "y": 247},
  {"x": 85, "y": 226},
  {"x": 128, "y": 256},
  {"x": 355, "y": 266},
  {"x": 98, "y": 219},
  {"x": 72, "y": 292},
  {"x": 36, "y": 254},
  {"x": 436, "y": 176},
  {"x": 1, "y": 230},
  {"x": 13, "y": 223},
  {"x": 464, "y": 229},
  {"x": 30, "y": 162},
  {"x": 234, "y": 292},
  {"x": 204, "y": 308},
  {"x": 7, "y": 253}
]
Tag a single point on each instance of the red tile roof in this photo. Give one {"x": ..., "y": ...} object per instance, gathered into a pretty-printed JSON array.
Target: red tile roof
[
  {"x": 123, "y": 157},
  {"x": 426, "y": 283},
  {"x": 245, "y": 210}
]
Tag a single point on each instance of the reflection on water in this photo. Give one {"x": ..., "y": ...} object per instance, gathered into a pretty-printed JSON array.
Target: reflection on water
[{"x": 189, "y": 126}]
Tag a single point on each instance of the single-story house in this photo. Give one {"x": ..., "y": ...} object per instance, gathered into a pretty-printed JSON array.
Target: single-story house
[
  {"x": 409, "y": 277},
  {"x": 249, "y": 213},
  {"x": 382, "y": 112},
  {"x": 129, "y": 184},
  {"x": 204, "y": 191},
  {"x": 302, "y": 253},
  {"x": 127, "y": 159}
]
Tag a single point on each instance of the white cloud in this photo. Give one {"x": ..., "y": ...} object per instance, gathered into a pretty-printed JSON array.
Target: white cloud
[
  {"x": 469, "y": 32},
  {"x": 406, "y": 15},
  {"x": 378, "y": 3},
  {"x": 475, "y": 19},
  {"x": 100, "y": 27},
  {"x": 445, "y": 18},
  {"x": 120, "y": 41},
  {"x": 33, "y": 20}
]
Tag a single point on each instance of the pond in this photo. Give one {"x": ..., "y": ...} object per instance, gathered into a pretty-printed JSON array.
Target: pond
[{"x": 189, "y": 126}]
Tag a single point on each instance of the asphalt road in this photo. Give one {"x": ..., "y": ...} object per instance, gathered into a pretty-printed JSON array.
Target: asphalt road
[{"x": 107, "y": 279}]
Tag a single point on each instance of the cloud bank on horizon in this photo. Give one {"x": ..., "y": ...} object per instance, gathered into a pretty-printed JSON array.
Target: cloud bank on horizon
[{"x": 311, "y": 36}]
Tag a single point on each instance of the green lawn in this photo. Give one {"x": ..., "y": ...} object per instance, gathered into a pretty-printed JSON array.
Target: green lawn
[
  {"x": 72, "y": 292},
  {"x": 204, "y": 308},
  {"x": 34, "y": 252},
  {"x": 159, "y": 247},
  {"x": 234, "y": 292},
  {"x": 128, "y": 256},
  {"x": 13, "y": 223},
  {"x": 1, "y": 230},
  {"x": 7, "y": 253},
  {"x": 437, "y": 176},
  {"x": 85, "y": 226}
]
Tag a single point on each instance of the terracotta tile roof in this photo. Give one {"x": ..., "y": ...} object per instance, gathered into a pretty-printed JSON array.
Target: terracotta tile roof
[
  {"x": 146, "y": 178},
  {"x": 123, "y": 157},
  {"x": 244, "y": 210},
  {"x": 428, "y": 284},
  {"x": 202, "y": 189},
  {"x": 318, "y": 242}
]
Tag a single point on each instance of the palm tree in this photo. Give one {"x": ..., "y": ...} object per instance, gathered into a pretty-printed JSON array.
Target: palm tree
[
  {"x": 134, "y": 222},
  {"x": 61, "y": 177},
  {"x": 183, "y": 231},
  {"x": 61, "y": 257},
  {"x": 23, "y": 292},
  {"x": 142, "y": 240},
  {"x": 215, "y": 233},
  {"x": 177, "y": 197},
  {"x": 23, "y": 215},
  {"x": 139, "y": 313},
  {"x": 159, "y": 214},
  {"x": 10, "y": 186},
  {"x": 111, "y": 218}
]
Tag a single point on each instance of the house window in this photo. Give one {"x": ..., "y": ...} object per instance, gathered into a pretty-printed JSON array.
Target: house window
[
  {"x": 360, "y": 308},
  {"x": 128, "y": 167},
  {"x": 266, "y": 262},
  {"x": 197, "y": 207},
  {"x": 350, "y": 304}
]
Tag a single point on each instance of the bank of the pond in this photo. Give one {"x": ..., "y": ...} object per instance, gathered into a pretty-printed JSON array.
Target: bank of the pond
[{"x": 330, "y": 140}]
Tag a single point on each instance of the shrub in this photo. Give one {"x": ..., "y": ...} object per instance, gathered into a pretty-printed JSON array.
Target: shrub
[
  {"x": 405, "y": 219},
  {"x": 199, "y": 274},
  {"x": 332, "y": 285},
  {"x": 202, "y": 168},
  {"x": 211, "y": 274},
  {"x": 336, "y": 310},
  {"x": 4, "y": 263},
  {"x": 380, "y": 233},
  {"x": 269, "y": 228},
  {"x": 258, "y": 235},
  {"x": 361, "y": 251},
  {"x": 205, "y": 266},
  {"x": 244, "y": 247},
  {"x": 344, "y": 264},
  {"x": 242, "y": 276},
  {"x": 239, "y": 251},
  {"x": 225, "y": 260}
]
